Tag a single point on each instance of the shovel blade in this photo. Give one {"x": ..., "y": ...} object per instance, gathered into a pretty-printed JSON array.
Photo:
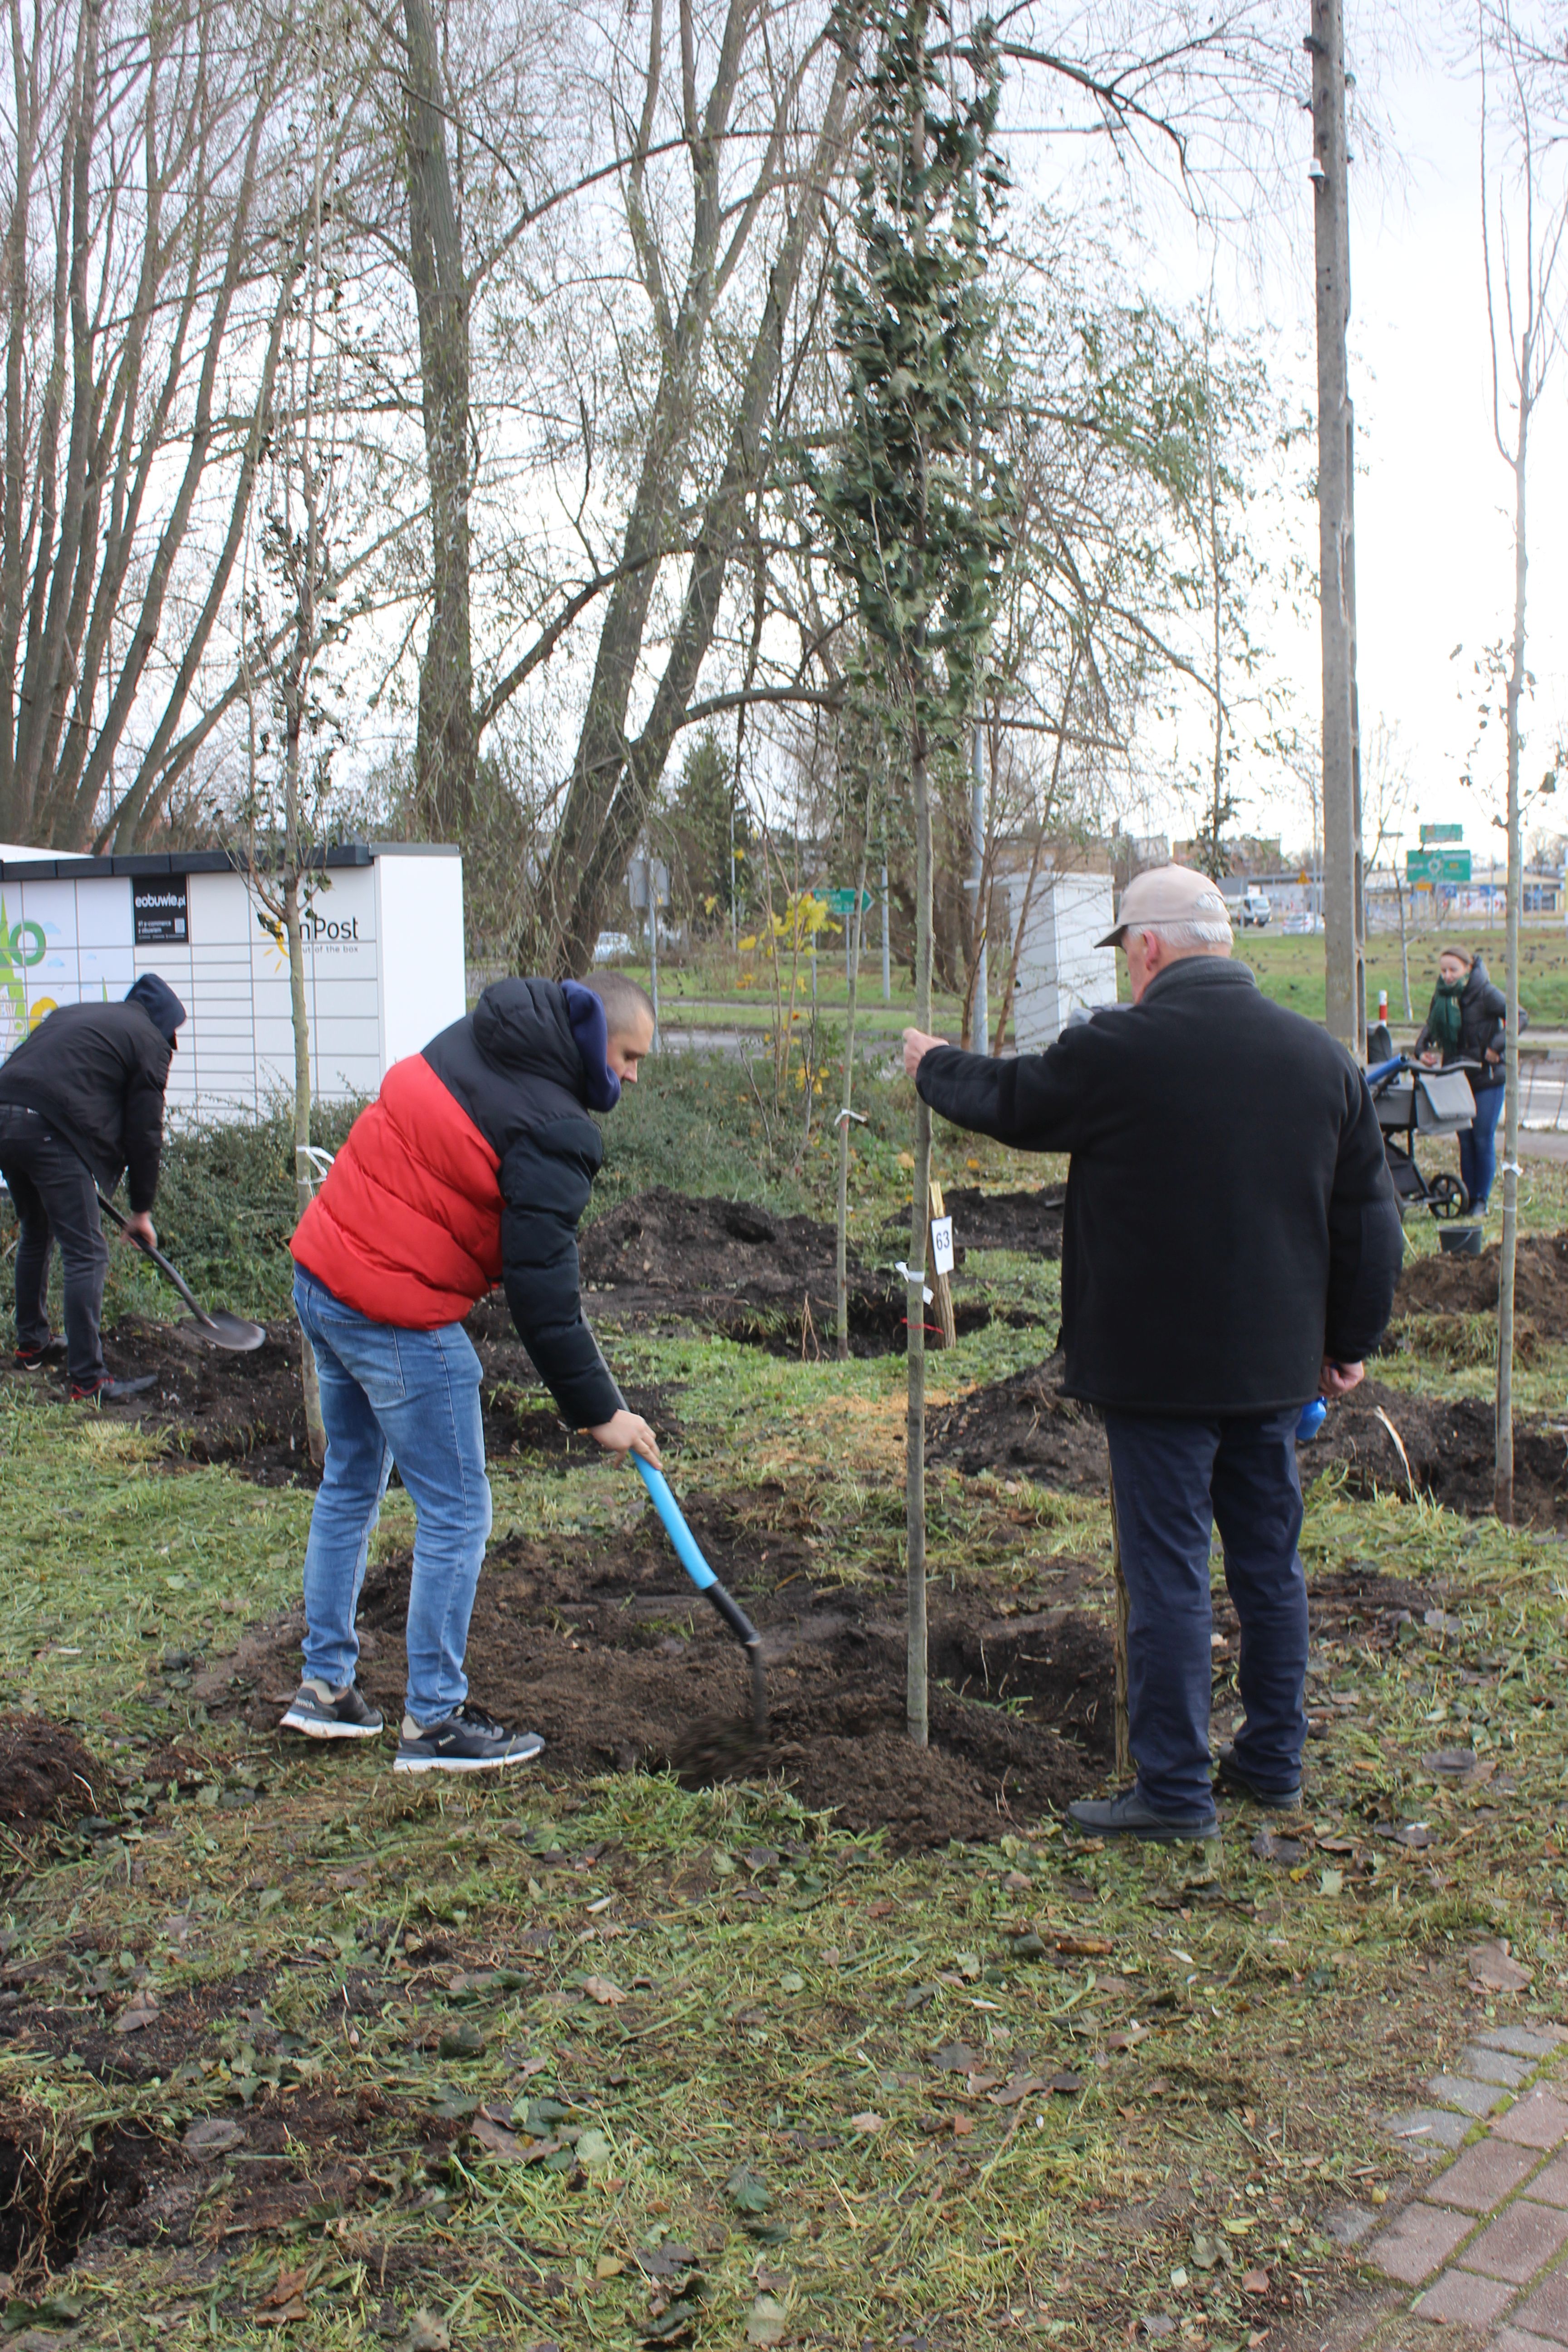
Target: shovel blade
[{"x": 222, "y": 1330}]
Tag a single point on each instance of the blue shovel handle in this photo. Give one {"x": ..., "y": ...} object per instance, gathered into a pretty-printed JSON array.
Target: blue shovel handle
[
  {"x": 680, "y": 1535},
  {"x": 703, "y": 1578}
]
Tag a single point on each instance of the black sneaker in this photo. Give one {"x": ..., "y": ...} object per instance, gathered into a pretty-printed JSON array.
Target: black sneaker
[
  {"x": 467, "y": 1741},
  {"x": 1131, "y": 1815},
  {"x": 322, "y": 1713},
  {"x": 32, "y": 1359},
  {"x": 1230, "y": 1778}
]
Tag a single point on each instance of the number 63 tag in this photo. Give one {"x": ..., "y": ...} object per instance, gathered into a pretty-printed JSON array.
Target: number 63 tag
[{"x": 942, "y": 1243}]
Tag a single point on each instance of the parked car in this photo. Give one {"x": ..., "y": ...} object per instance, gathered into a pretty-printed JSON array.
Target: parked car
[
  {"x": 612, "y": 944},
  {"x": 1253, "y": 910}
]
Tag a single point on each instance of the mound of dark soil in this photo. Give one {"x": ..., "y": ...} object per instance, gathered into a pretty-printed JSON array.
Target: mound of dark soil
[
  {"x": 1469, "y": 1285},
  {"x": 1450, "y": 1445},
  {"x": 250, "y": 1411},
  {"x": 46, "y": 1773},
  {"x": 1029, "y": 1222},
  {"x": 606, "y": 1650},
  {"x": 745, "y": 1273},
  {"x": 1025, "y": 1426}
]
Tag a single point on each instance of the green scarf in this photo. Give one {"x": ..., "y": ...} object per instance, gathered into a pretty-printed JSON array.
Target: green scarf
[{"x": 1443, "y": 1022}]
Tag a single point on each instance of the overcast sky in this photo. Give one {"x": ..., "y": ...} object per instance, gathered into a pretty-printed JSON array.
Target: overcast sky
[{"x": 1434, "y": 543}]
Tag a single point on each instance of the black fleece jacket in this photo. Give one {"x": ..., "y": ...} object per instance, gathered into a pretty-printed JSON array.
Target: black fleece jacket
[
  {"x": 1229, "y": 1215},
  {"x": 515, "y": 1066},
  {"x": 96, "y": 1072}
]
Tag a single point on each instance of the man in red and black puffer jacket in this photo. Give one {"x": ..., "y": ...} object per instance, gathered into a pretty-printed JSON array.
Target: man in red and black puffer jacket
[{"x": 472, "y": 1166}]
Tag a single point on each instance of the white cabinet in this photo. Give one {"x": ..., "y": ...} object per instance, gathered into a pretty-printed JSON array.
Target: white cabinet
[
  {"x": 383, "y": 962},
  {"x": 1060, "y": 969}
]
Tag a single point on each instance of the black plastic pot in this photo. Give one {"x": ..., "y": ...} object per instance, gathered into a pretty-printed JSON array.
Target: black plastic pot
[{"x": 1461, "y": 1241}]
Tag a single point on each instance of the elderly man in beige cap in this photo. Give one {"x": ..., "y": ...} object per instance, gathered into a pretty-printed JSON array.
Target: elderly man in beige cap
[{"x": 1230, "y": 1251}]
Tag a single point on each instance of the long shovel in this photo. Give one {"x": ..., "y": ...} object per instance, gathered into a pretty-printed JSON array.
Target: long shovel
[
  {"x": 220, "y": 1329},
  {"x": 703, "y": 1578}
]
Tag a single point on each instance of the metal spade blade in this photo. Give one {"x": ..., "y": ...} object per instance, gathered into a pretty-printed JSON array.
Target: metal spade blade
[{"x": 219, "y": 1328}]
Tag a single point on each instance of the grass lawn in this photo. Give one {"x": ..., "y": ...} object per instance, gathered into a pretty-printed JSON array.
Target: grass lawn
[
  {"x": 611, "y": 2062},
  {"x": 1289, "y": 968}
]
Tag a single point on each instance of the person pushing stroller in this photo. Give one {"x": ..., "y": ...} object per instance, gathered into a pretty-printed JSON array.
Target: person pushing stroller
[{"x": 472, "y": 1166}]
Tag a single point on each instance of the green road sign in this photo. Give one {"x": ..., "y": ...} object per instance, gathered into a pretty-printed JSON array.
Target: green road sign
[
  {"x": 1441, "y": 833},
  {"x": 1431, "y": 865},
  {"x": 842, "y": 902}
]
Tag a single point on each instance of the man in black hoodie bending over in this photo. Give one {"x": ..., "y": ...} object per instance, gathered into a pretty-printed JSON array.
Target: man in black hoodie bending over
[
  {"x": 1230, "y": 1251},
  {"x": 81, "y": 1098}
]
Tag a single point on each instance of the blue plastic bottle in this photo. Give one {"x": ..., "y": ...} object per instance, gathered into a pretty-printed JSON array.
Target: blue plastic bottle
[{"x": 1313, "y": 1416}]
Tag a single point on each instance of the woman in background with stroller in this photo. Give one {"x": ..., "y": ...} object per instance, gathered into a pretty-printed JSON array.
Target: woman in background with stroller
[{"x": 1466, "y": 1022}]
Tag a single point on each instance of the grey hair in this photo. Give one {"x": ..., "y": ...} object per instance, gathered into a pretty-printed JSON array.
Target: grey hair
[{"x": 1186, "y": 935}]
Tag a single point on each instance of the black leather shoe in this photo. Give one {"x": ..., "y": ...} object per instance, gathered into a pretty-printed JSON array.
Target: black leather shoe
[
  {"x": 1230, "y": 1776},
  {"x": 1131, "y": 1815}
]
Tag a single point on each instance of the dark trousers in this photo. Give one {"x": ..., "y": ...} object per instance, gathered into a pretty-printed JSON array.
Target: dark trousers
[
  {"x": 1478, "y": 1146},
  {"x": 1175, "y": 1478},
  {"x": 55, "y": 1199}
]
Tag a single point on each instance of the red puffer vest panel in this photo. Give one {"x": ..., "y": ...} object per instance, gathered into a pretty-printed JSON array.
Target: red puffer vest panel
[{"x": 406, "y": 1227}]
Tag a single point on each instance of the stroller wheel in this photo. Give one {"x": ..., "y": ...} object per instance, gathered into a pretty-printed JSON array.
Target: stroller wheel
[{"x": 1447, "y": 1197}]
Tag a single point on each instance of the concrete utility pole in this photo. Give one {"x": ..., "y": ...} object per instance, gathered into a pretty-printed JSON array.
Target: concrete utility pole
[{"x": 1345, "y": 915}]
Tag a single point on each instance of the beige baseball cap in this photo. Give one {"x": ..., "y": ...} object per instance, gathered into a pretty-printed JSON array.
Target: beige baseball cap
[{"x": 1165, "y": 894}]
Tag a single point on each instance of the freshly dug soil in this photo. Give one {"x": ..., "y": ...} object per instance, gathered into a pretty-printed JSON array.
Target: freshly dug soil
[
  {"x": 249, "y": 1410},
  {"x": 605, "y": 1650},
  {"x": 1450, "y": 1444},
  {"x": 46, "y": 1774},
  {"x": 1023, "y": 1425},
  {"x": 1026, "y": 1427},
  {"x": 1027, "y": 1222},
  {"x": 1469, "y": 1285},
  {"x": 746, "y": 1274}
]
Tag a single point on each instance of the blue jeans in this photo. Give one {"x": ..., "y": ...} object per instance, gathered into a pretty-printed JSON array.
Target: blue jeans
[
  {"x": 412, "y": 1397},
  {"x": 1478, "y": 1146},
  {"x": 1174, "y": 1477}
]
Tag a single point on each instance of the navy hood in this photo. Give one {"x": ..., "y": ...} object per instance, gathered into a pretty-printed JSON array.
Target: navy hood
[
  {"x": 158, "y": 1003},
  {"x": 551, "y": 1029},
  {"x": 586, "y": 1013}
]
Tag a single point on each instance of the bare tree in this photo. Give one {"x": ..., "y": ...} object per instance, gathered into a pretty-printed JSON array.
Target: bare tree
[
  {"x": 294, "y": 605},
  {"x": 143, "y": 316},
  {"x": 1524, "y": 216}
]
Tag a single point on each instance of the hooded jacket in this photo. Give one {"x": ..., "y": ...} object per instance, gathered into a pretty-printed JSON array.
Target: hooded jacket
[
  {"x": 1229, "y": 1215},
  {"x": 97, "y": 1074},
  {"x": 473, "y": 1166}
]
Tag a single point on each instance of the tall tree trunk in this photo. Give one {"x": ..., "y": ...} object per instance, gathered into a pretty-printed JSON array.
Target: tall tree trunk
[
  {"x": 841, "y": 1242},
  {"x": 613, "y": 781},
  {"x": 315, "y": 1431},
  {"x": 446, "y": 754},
  {"x": 1503, "y": 1482},
  {"x": 915, "y": 1692}
]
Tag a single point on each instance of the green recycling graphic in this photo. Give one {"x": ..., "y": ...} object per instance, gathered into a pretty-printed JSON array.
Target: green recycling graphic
[{"x": 22, "y": 945}]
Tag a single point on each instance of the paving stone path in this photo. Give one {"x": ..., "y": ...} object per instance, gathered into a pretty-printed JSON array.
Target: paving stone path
[{"x": 1484, "y": 2243}]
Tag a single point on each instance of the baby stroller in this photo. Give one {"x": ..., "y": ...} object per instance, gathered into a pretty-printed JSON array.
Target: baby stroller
[{"x": 1412, "y": 1101}]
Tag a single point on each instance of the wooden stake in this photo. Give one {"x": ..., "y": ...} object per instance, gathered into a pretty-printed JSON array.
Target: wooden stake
[
  {"x": 939, "y": 1282},
  {"x": 1124, "y": 1735}
]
